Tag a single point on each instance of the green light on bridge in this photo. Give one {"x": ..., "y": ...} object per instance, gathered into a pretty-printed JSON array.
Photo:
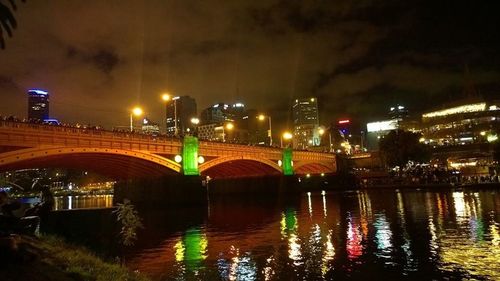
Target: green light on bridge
[
  {"x": 190, "y": 156},
  {"x": 287, "y": 162}
]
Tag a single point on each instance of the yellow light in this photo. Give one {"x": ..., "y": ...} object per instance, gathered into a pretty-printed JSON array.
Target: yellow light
[
  {"x": 195, "y": 121},
  {"x": 280, "y": 163},
  {"x": 321, "y": 131},
  {"x": 312, "y": 99},
  {"x": 483, "y": 133},
  {"x": 165, "y": 97},
  {"x": 492, "y": 138},
  {"x": 137, "y": 111},
  {"x": 421, "y": 139},
  {"x": 455, "y": 110},
  {"x": 287, "y": 136},
  {"x": 229, "y": 126},
  {"x": 262, "y": 117}
]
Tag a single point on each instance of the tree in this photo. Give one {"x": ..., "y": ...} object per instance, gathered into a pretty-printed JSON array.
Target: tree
[
  {"x": 7, "y": 20},
  {"x": 398, "y": 147}
]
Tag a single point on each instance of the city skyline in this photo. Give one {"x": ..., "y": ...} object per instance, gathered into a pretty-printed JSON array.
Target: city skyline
[{"x": 356, "y": 58}]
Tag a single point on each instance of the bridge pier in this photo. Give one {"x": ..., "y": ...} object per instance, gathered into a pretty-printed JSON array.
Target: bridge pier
[{"x": 162, "y": 192}]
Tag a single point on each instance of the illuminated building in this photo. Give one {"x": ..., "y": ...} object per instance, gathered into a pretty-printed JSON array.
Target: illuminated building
[
  {"x": 306, "y": 123},
  {"x": 214, "y": 118},
  {"x": 38, "y": 104},
  {"x": 184, "y": 108},
  {"x": 470, "y": 123},
  {"x": 149, "y": 127},
  {"x": 398, "y": 112}
]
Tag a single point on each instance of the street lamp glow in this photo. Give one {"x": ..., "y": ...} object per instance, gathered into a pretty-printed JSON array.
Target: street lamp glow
[
  {"x": 137, "y": 111},
  {"x": 287, "y": 136},
  {"x": 229, "y": 126},
  {"x": 165, "y": 97},
  {"x": 195, "y": 121},
  {"x": 321, "y": 131},
  {"x": 261, "y": 117}
]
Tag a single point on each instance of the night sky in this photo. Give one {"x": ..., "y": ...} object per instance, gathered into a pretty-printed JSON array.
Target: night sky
[{"x": 99, "y": 58}]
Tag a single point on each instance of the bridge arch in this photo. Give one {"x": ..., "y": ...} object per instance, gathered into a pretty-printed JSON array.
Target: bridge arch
[
  {"x": 239, "y": 166},
  {"x": 310, "y": 167},
  {"x": 115, "y": 163}
]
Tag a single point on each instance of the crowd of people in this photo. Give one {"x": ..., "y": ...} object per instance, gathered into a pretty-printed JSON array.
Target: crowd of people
[{"x": 429, "y": 174}]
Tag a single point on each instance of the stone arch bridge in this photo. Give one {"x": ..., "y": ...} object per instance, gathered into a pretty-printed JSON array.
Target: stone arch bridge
[{"x": 123, "y": 155}]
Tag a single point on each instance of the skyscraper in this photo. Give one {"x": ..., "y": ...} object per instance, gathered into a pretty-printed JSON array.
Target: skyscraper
[
  {"x": 183, "y": 109},
  {"x": 38, "y": 104},
  {"x": 306, "y": 123}
]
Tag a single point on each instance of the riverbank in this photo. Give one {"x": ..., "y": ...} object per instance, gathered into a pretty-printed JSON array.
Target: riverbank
[{"x": 50, "y": 258}]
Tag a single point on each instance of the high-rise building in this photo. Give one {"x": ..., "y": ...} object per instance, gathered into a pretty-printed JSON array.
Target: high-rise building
[
  {"x": 216, "y": 114},
  {"x": 38, "y": 104},
  {"x": 180, "y": 111},
  {"x": 306, "y": 123}
]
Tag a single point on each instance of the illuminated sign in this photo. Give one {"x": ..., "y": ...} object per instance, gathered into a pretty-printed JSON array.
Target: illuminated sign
[
  {"x": 475, "y": 107},
  {"x": 382, "y": 126},
  {"x": 347, "y": 121}
]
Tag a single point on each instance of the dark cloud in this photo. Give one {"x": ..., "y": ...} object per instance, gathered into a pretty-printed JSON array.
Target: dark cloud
[{"x": 358, "y": 57}]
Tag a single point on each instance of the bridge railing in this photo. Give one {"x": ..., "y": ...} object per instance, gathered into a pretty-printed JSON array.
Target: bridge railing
[{"x": 83, "y": 131}]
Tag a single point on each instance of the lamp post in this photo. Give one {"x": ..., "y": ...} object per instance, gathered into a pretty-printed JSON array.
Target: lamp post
[
  {"x": 195, "y": 121},
  {"x": 137, "y": 111},
  {"x": 285, "y": 136},
  {"x": 228, "y": 126},
  {"x": 166, "y": 98},
  {"x": 321, "y": 132},
  {"x": 262, "y": 117}
]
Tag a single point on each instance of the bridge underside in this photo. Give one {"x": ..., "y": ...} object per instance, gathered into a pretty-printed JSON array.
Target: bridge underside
[
  {"x": 240, "y": 168},
  {"x": 113, "y": 166},
  {"x": 313, "y": 168}
]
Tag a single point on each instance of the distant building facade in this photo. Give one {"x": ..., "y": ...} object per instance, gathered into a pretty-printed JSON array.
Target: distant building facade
[
  {"x": 214, "y": 119},
  {"x": 38, "y": 105},
  {"x": 149, "y": 127},
  {"x": 179, "y": 113},
  {"x": 306, "y": 123}
]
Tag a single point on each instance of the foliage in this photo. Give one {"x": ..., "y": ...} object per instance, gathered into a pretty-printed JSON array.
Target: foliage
[
  {"x": 7, "y": 20},
  {"x": 59, "y": 260},
  {"x": 398, "y": 147},
  {"x": 130, "y": 221}
]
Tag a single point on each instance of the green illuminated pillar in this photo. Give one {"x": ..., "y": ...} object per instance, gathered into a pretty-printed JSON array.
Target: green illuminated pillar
[
  {"x": 190, "y": 156},
  {"x": 287, "y": 162}
]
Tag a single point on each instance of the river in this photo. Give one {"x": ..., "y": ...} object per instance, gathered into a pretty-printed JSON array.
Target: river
[{"x": 355, "y": 235}]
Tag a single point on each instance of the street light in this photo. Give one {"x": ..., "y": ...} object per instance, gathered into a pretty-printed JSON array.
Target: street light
[
  {"x": 137, "y": 111},
  {"x": 228, "y": 126},
  {"x": 286, "y": 136},
  {"x": 321, "y": 132},
  {"x": 195, "y": 121},
  {"x": 262, "y": 117},
  {"x": 166, "y": 97}
]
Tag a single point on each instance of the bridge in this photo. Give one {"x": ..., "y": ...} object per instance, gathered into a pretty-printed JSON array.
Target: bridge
[{"x": 124, "y": 155}]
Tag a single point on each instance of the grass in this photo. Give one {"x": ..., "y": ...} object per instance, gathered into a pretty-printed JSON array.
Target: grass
[{"x": 50, "y": 258}]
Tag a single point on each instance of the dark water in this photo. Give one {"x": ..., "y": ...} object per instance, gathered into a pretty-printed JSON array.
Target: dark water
[
  {"x": 375, "y": 235},
  {"x": 83, "y": 202}
]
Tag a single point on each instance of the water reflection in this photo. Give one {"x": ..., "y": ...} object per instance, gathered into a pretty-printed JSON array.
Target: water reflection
[
  {"x": 402, "y": 235},
  {"x": 83, "y": 202}
]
